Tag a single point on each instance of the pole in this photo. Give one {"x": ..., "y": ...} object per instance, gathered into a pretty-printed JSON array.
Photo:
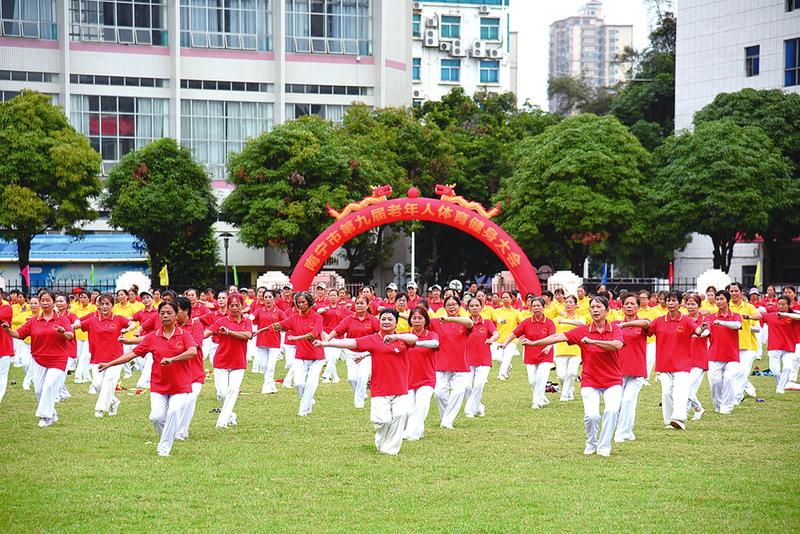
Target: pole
[
  {"x": 226, "y": 262},
  {"x": 413, "y": 254}
]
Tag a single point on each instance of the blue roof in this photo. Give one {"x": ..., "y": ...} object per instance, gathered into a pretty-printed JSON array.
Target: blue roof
[{"x": 95, "y": 247}]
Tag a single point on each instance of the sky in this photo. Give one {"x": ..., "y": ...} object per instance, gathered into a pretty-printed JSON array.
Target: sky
[{"x": 532, "y": 19}]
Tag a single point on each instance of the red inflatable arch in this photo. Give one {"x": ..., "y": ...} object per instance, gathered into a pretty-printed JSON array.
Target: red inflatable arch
[{"x": 449, "y": 209}]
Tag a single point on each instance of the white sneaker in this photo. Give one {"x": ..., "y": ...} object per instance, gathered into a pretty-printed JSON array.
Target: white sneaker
[
  {"x": 677, "y": 425},
  {"x": 92, "y": 390},
  {"x": 98, "y": 413},
  {"x": 43, "y": 422},
  {"x": 469, "y": 415},
  {"x": 589, "y": 450},
  {"x": 619, "y": 439},
  {"x": 603, "y": 452},
  {"x": 112, "y": 410},
  {"x": 698, "y": 414}
]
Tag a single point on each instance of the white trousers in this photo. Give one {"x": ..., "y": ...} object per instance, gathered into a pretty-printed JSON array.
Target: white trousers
[
  {"x": 722, "y": 378},
  {"x": 358, "y": 376},
  {"x": 27, "y": 364},
  {"x": 591, "y": 416},
  {"x": 17, "y": 361},
  {"x": 188, "y": 411},
  {"x": 47, "y": 383},
  {"x": 331, "y": 355},
  {"x": 794, "y": 370},
  {"x": 478, "y": 376},
  {"x": 97, "y": 379},
  {"x": 781, "y": 363},
  {"x": 165, "y": 414},
  {"x": 267, "y": 358},
  {"x": 421, "y": 405},
  {"x": 650, "y": 358},
  {"x": 210, "y": 351},
  {"x": 147, "y": 369},
  {"x": 631, "y": 385},
  {"x": 306, "y": 380},
  {"x": 5, "y": 363},
  {"x": 252, "y": 351},
  {"x": 289, "y": 352},
  {"x": 695, "y": 380},
  {"x": 82, "y": 372},
  {"x": 108, "y": 385},
  {"x": 674, "y": 396},
  {"x": 743, "y": 385},
  {"x": 506, "y": 356},
  {"x": 567, "y": 371},
  {"x": 388, "y": 415},
  {"x": 537, "y": 378},
  {"x": 227, "y": 383},
  {"x": 450, "y": 389}
]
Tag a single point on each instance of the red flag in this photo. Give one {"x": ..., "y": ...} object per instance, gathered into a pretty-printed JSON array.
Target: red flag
[
  {"x": 26, "y": 275},
  {"x": 671, "y": 275}
]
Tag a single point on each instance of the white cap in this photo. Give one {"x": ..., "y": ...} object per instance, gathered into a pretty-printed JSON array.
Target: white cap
[
  {"x": 392, "y": 286},
  {"x": 287, "y": 285},
  {"x": 411, "y": 284},
  {"x": 455, "y": 284},
  {"x": 321, "y": 285}
]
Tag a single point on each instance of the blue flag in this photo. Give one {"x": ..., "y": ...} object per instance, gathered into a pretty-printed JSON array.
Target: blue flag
[{"x": 604, "y": 278}]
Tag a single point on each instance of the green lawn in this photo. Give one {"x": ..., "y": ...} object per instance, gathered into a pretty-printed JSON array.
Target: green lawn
[{"x": 514, "y": 470}]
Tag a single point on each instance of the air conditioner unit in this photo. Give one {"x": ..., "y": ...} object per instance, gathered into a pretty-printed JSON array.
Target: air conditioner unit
[
  {"x": 478, "y": 51},
  {"x": 418, "y": 93},
  {"x": 445, "y": 47},
  {"x": 483, "y": 10},
  {"x": 431, "y": 39},
  {"x": 494, "y": 53},
  {"x": 432, "y": 22},
  {"x": 458, "y": 50},
  {"x": 417, "y": 6}
]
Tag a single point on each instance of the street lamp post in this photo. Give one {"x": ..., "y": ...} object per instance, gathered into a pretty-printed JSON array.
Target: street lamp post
[{"x": 226, "y": 236}]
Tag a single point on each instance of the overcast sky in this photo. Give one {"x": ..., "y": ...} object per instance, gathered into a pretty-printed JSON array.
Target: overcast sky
[{"x": 532, "y": 19}]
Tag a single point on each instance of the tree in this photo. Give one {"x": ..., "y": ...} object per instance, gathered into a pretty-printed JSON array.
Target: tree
[
  {"x": 722, "y": 180},
  {"x": 575, "y": 95},
  {"x": 49, "y": 173},
  {"x": 574, "y": 189},
  {"x": 159, "y": 194}
]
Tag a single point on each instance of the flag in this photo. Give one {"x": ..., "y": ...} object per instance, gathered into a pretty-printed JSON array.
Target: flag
[
  {"x": 757, "y": 281},
  {"x": 26, "y": 275},
  {"x": 604, "y": 278},
  {"x": 671, "y": 275},
  {"x": 163, "y": 276},
  {"x": 91, "y": 276},
  {"x": 235, "y": 277}
]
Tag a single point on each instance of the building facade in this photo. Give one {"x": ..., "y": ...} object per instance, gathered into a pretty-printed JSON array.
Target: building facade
[
  {"x": 460, "y": 43},
  {"x": 723, "y": 47},
  {"x": 584, "y": 46}
]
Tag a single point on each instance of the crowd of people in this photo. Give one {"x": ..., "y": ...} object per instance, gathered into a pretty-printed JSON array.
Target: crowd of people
[{"x": 403, "y": 350}]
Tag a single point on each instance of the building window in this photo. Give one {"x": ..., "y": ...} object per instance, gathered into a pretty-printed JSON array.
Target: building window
[
  {"x": 8, "y": 95},
  {"x": 314, "y": 89},
  {"x": 117, "y": 125},
  {"x": 232, "y": 24},
  {"x": 329, "y": 27},
  {"x": 416, "y": 21},
  {"x": 128, "y": 81},
  {"x": 119, "y": 21},
  {"x": 791, "y": 5},
  {"x": 416, "y": 65},
  {"x": 751, "y": 60},
  {"x": 451, "y": 70},
  {"x": 792, "y": 73},
  {"x": 490, "y": 71},
  {"x": 213, "y": 129},
  {"x": 450, "y": 27},
  {"x": 219, "y": 85},
  {"x": 331, "y": 112},
  {"x": 26, "y": 76},
  {"x": 490, "y": 29},
  {"x": 35, "y": 19}
]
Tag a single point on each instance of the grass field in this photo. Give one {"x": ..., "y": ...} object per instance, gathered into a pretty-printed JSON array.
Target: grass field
[{"x": 514, "y": 470}]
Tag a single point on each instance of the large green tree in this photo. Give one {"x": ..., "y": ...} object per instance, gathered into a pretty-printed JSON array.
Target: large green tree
[
  {"x": 574, "y": 190},
  {"x": 722, "y": 180},
  {"x": 159, "y": 194},
  {"x": 49, "y": 172}
]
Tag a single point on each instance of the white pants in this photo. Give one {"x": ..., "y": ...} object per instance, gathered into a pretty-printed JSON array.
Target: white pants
[
  {"x": 17, "y": 361},
  {"x": 27, "y": 364},
  {"x": 781, "y": 363},
  {"x": 267, "y": 357},
  {"x": 212, "y": 350},
  {"x": 389, "y": 414},
  {"x": 227, "y": 382},
  {"x": 497, "y": 354},
  {"x": 478, "y": 376},
  {"x": 695, "y": 380},
  {"x": 331, "y": 355},
  {"x": 505, "y": 363},
  {"x": 358, "y": 376},
  {"x": 537, "y": 378},
  {"x": 591, "y": 416},
  {"x": 82, "y": 372},
  {"x": 5, "y": 363},
  {"x": 165, "y": 414},
  {"x": 306, "y": 380},
  {"x": 722, "y": 378},
  {"x": 47, "y": 383},
  {"x": 289, "y": 353},
  {"x": 631, "y": 385},
  {"x": 794, "y": 370},
  {"x": 147, "y": 369},
  {"x": 743, "y": 385},
  {"x": 252, "y": 352},
  {"x": 421, "y": 404},
  {"x": 650, "y": 358},
  {"x": 107, "y": 386},
  {"x": 97, "y": 379},
  {"x": 567, "y": 371},
  {"x": 188, "y": 411},
  {"x": 674, "y": 395},
  {"x": 450, "y": 389}
]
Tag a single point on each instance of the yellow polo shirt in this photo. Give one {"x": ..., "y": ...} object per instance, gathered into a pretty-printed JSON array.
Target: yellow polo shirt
[
  {"x": 747, "y": 338},
  {"x": 563, "y": 349},
  {"x": 507, "y": 321}
]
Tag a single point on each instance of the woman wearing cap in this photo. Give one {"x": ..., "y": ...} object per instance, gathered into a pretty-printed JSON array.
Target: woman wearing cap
[
  {"x": 435, "y": 298},
  {"x": 452, "y": 370},
  {"x": 600, "y": 342},
  {"x": 508, "y": 318},
  {"x": 268, "y": 341},
  {"x": 421, "y": 373},
  {"x": 303, "y": 327},
  {"x": 479, "y": 357},
  {"x": 413, "y": 297},
  {"x": 391, "y": 296}
]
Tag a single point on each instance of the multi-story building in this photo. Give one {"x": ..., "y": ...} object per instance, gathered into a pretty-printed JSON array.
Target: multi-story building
[
  {"x": 460, "y": 43},
  {"x": 584, "y": 46},
  {"x": 723, "y": 47},
  {"x": 209, "y": 73}
]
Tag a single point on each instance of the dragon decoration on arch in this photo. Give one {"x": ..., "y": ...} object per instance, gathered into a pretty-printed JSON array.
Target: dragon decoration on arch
[{"x": 447, "y": 193}]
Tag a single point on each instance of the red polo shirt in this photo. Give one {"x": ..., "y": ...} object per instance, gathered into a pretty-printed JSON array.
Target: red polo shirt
[
  {"x": 48, "y": 347},
  {"x": 389, "y": 365},
  {"x": 413, "y": 301},
  {"x": 332, "y": 317},
  {"x": 6, "y": 341},
  {"x": 422, "y": 363},
  {"x": 197, "y": 331},
  {"x": 673, "y": 340},
  {"x": 298, "y": 325},
  {"x": 600, "y": 367},
  {"x": 536, "y": 329},
  {"x": 452, "y": 353},
  {"x": 478, "y": 352},
  {"x": 177, "y": 377},
  {"x": 199, "y": 309},
  {"x": 232, "y": 351},
  {"x": 633, "y": 355},
  {"x": 147, "y": 317},
  {"x": 103, "y": 334},
  {"x": 265, "y": 317},
  {"x": 724, "y": 343},
  {"x": 354, "y": 327},
  {"x": 781, "y": 332}
]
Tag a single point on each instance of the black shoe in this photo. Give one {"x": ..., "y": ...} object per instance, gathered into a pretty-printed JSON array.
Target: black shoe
[{"x": 215, "y": 410}]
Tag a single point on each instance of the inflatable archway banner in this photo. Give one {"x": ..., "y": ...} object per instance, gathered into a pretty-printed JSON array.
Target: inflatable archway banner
[{"x": 449, "y": 209}]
